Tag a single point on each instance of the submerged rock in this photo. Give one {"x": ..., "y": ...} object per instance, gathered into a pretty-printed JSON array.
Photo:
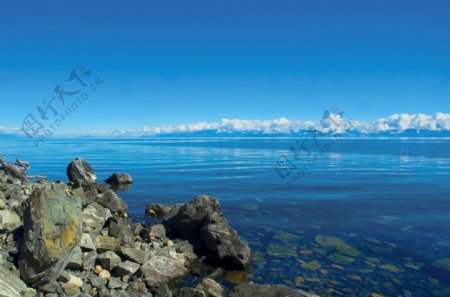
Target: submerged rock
[
  {"x": 253, "y": 290},
  {"x": 52, "y": 223},
  {"x": 211, "y": 288},
  {"x": 119, "y": 179},
  {"x": 202, "y": 220},
  {"x": 81, "y": 173}
]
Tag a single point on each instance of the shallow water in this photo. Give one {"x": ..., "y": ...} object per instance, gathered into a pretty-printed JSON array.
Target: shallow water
[{"x": 367, "y": 216}]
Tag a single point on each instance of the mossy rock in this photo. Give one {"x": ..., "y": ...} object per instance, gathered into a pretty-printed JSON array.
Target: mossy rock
[
  {"x": 341, "y": 259},
  {"x": 286, "y": 237},
  {"x": 276, "y": 250}
]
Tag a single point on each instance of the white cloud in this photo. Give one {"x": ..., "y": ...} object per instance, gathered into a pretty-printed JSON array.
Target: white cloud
[{"x": 334, "y": 123}]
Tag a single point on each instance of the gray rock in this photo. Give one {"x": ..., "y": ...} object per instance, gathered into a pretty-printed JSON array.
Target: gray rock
[
  {"x": 119, "y": 179},
  {"x": 121, "y": 230},
  {"x": 161, "y": 269},
  {"x": 75, "y": 260},
  {"x": 10, "y": 221},
  {"x": 158, "y": 210},
  {"x": 80, "y": 173},
  {"x": 97, "y": 282},
  {"x": 94, "y": 217},
  {"x": 211, "y": 288},
  {"x": 224, "y": 243},
  {"x": 202, "y": 220},
  {"x": 115, "y": 283},
  {"x": 86, "y": 242},
  {"x": 126, "y": 268},
  {"x": 109, "y": 260},
  {"x": 52, "y": 230},
  {"x": 137, "y": 229},
  {"x": 157, "y": 231},
  {"x": 138, "y": 286},
  {"x": 252, "y": 290},
  {"x": 163, "y": 291},
  {"x": 10, "y": 284},
  {"x": 89, "y": 260},
  {"x": 135, "y": 255},
  {"x": 113, "y": 202},
  {"x": 190, "y": 292}
]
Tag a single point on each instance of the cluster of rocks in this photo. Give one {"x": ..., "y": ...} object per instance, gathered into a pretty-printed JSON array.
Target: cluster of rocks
[{"x": 76, "y": 239}]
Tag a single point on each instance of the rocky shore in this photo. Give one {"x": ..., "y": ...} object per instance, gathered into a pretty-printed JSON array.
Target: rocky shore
[{"x": 76, "y": 239}]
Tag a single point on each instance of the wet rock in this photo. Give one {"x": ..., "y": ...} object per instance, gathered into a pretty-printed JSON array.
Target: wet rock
[
  {"x": 190, "y": 292},
  {"x": 163, "y": 268},
  {"x": 442, "y": 264},
  {"x": 10, "y": 284},
  {"x": 225, "y": 244},
  {"x": 9, "y": 220},
  {"x": 119, "y": 179},
  {"x": 202, "y": 220},
  {"x": 109, "y": 260},
  {"x": 253, "y": 290},
  {"x": 158, "y": 210},
  {"x": 113, "y": 202},
  {"x": 52, "y": 230},
  {"x": 211, "y": 288},
  {"x": 94, "y": 217},
  {"x": 80, "y": 173}
]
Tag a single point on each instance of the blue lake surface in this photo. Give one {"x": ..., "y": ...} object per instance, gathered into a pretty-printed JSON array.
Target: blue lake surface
[{"x": 367, "y": 215}]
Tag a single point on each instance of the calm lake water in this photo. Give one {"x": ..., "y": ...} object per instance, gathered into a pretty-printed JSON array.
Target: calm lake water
[{"x": 368, "y": 215}]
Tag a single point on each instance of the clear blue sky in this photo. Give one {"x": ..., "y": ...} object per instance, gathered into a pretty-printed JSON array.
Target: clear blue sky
[{"x": 167, "y": 62}]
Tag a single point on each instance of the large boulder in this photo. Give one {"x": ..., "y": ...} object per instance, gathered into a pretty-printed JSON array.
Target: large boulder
[
  {"x": 119, "y": 179},
  {"x": 202, "y": 220},
  {"x": 81, "y": 173},
  {"x": 52, "y": 230},
  {"x": 253, "y": 290}
]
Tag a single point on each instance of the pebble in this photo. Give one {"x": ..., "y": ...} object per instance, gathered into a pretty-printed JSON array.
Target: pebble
[
  {"x": 75, "y": 281},
  {"x": 105, "y": 274}
]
